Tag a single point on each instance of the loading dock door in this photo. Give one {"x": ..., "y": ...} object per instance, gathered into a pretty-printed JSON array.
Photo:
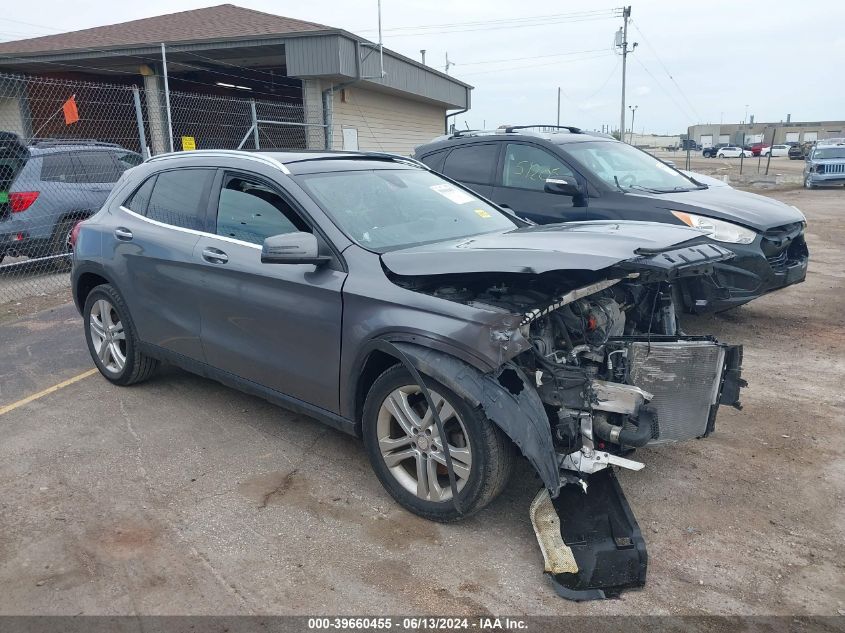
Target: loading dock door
[
  {"x": 792, "y": 137},
  {"x": 706, "y": 140},
  {"x": 724, "y": 138},
  {"x": 812, "y": 137}
]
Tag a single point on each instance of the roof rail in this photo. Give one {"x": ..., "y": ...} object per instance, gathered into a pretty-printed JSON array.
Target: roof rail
[
  {"x": 397, "y": 158},
  {"x": 42, "y": 142},
  {"x": 231, "y": 153},
  {"x": 571, "y": 128}
]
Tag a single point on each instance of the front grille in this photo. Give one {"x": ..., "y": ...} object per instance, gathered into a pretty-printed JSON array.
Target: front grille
[
  {"x": 684, "y": 377},
  {"x": 778, "y": 262},
  {"x": 832, "y": 168}
]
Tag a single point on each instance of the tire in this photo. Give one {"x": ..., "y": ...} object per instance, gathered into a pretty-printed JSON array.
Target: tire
[
  {"x": 60, "y": 245},
  {"x": 108, "y": 310},
  {"x": 720, "y": 155},
  {"x": 473, "y": 438},
  {"x": 808, "y": 184}
]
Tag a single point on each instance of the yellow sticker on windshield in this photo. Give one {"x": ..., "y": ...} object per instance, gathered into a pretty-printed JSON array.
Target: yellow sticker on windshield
[{"x": 483, "y": 214}]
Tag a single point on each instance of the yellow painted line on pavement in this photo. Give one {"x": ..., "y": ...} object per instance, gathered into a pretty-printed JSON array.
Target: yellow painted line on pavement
[{"x": 47, "y": 391}]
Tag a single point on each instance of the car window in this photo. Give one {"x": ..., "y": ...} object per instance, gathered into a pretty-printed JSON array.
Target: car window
[
  {"x": 527, "y": 167},
  {"x": 97, "y": 167},
  {"x": 385, "y": 209},
  {"x": 140, "y": 198},
  {"x": 179, "y": 196},
  {"x": 60, "y": 167},
  {"x": 127, "y": 160},
  {"x": 472, "y": 163},
  {"x": 250, "y": 211},
  {"x": 435, "y": 160}
]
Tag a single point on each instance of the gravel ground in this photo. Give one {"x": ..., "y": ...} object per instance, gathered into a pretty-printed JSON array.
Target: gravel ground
[{"x": 180, "y": 496}]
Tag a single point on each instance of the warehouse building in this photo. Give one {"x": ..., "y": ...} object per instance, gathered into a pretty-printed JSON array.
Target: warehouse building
[
  {"x": 787, "y": 131},
  {"x": 315, "y": 86}
]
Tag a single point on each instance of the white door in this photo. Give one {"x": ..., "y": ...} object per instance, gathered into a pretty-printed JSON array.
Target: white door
[
  {"x": 350, "y": 139},
  {"x": 706, "y": 140},
  {"x": 792, "y": 137},
  {"x": 724, "y": 138},
  {"x": 811, "y": 137}
]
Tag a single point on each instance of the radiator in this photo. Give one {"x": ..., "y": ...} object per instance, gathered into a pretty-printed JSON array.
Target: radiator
[{"x": 684, "y": 377}]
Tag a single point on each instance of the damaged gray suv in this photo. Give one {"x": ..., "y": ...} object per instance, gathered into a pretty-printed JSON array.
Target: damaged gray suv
[{"x": 398, "y": 306}]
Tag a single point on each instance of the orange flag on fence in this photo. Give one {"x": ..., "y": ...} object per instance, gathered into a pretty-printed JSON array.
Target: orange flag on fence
[{"x": 70, "y": 111}]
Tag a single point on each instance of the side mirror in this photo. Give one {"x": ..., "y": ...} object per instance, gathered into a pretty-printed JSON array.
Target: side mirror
[
  {"x": 292, "y": 248},
  {"x": 562, "y": 187}
]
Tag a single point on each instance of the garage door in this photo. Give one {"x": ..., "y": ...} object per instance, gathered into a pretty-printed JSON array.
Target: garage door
[
  {"x": 811, "y": 136},
  {"x": 706, "y": 140},
  {"x": 724, "y": 138},
  {"x": 792, "y": 137}
]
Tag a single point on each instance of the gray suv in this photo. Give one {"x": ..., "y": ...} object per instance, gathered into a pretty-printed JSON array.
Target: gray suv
[
  {"x": 825, "y": 164},
  {"x": 47, "y": 186}
]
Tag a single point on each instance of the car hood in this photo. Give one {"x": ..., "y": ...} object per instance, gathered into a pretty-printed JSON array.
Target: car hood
[
  {"x": 725, "y": 203},
  {"x": 538, "y": 249}
]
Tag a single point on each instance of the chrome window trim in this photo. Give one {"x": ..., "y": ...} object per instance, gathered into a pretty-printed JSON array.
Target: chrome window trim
[
  {"x": 182, "y": 229},
  {"x": 231, "y": 153}
]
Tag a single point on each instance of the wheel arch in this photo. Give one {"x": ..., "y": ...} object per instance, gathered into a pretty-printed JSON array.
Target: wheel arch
[
  {"x": 85, "y": 279},
  {"x": 505, "y": 394}
]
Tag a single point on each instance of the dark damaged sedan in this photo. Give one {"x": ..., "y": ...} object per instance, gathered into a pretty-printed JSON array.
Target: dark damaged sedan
[{"x": 372, "y": 294}]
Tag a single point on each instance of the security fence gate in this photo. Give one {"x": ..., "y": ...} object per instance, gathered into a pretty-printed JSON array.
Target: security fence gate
[{"x": 64, "y": 144}]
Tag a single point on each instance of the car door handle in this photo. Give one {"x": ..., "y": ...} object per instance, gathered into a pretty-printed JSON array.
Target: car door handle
[
  {"x": 123, "y": 234},
  {"x": 214, "y": 255}
]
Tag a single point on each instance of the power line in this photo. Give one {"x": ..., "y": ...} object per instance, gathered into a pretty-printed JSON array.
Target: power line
[
  {"x": 517, "y": 59},
  {"x": 529, "y": 18},
  {"x": 523, "y": 68},
  {"x": 666, "y": 70},
  {"x": 682, "y": 109}
]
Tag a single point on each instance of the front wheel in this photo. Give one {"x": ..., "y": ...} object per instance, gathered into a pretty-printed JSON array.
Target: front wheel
[
  {"x": 112, "y": 339},
  {"x": 808, "y": 184},
  {"x": 407, "y": 451},
  {"x": 721, "y": 156}
]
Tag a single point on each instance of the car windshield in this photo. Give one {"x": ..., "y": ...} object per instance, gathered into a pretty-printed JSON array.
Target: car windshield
[
  {"x": 387, "y": 209},
  {"x": 625, "y": 167},
  {"x": 829, "y": 152}
]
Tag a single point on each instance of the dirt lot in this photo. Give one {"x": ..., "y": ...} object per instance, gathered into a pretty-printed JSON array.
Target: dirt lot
[{"x": 181, "y": 496}]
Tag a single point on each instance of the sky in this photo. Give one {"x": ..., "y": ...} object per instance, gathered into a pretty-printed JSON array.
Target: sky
[{"x": 696, "y": 61}]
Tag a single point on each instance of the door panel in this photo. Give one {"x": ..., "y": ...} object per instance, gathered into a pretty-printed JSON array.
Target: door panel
[
  {"x": 159, "y": 279},
  {"x": 278, "y": 325}
]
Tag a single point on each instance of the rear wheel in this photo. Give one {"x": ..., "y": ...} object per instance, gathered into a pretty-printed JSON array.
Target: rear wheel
[
  {"x": 407, "y": 452},
  {"x": 60, "y": 248},
  {"x": 720, "y": 155},
  {"x": 112, "y": 339}
]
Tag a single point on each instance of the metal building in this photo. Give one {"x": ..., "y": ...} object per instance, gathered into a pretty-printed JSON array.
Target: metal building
[
  {"x": 316, "y": 86},
  {"x": 709, "y": 134}
]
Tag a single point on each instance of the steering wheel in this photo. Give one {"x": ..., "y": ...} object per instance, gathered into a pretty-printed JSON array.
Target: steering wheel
[{"x": 628, "y": 180}]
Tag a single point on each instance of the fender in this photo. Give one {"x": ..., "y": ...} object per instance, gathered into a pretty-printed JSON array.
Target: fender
[
  {"x": 80, "y": 269},
  {"x": 507, "y": 397}
]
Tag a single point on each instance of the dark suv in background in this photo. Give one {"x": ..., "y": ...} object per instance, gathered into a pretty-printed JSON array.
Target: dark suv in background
[
  {"x": 48, "y": 185},
  {"x": 572, "y": 175}
]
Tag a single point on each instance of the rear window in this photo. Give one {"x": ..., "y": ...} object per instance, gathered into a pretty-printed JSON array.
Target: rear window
[
  {"x": 97, "y": 167},
  {"x": 473, "y": 163},
  {"x": 59, "y": 168},
  {"x": 179, "y": 197}
]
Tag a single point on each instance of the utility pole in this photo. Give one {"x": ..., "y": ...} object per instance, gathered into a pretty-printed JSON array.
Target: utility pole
[
  {"x": 633, "y": 110},
  {"x": 558, "y": 106},
  {"x": 622, "y": 42}
]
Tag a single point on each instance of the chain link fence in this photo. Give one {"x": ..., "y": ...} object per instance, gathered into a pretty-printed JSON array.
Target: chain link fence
[{"x": 64, "y": 144}]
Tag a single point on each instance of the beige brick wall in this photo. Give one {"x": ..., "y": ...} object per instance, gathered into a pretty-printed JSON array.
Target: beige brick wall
[{"x": 385, "y": 123}]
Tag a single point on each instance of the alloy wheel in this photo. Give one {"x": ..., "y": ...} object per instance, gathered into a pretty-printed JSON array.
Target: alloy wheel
[
  {"x": 412, "y": 448},
  {"x": 108, "y": 336}
]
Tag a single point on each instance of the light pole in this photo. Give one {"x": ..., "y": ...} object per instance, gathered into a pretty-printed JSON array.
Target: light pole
[{"x": 633, "y": 110}]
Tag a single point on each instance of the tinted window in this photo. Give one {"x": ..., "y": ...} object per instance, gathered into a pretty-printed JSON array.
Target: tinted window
[
  {"x": 250, "y": 211},
  {"x": 473, "y": 163},
  {"x": 125, "y": 160},
  {"x": 179, "y": 197},
  {"x": 527, "y": 167},
  {"x": 97, "y": 167},
  {"x": 59, "y": 168},
  {"x": 138, "y": 201},
  {"x": 435, "y": 160}
]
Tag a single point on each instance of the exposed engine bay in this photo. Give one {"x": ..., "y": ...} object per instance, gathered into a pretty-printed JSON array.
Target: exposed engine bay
[{"x": 614, "y": 373}]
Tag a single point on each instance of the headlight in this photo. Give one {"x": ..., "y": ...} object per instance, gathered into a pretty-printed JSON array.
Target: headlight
[{"x": 718, "y": 230}]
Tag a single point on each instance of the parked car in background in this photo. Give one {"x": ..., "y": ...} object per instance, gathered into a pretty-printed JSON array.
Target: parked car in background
[
  {"x": 604, "y": 179},
  {"x": 732, "y": 151},
  {"x": 796, "y": 152},
  {"x": 710, "y": 152},
  {"x": 756, "y": 148},
  {"x": 48, "y": 185},
  {"x": 775, "y": 150},
  {"x": 825, "y": 164}
]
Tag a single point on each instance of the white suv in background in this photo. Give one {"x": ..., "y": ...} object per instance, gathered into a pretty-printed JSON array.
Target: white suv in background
[
  {"x": 775, "y": 150},
  {"x": 732, "y": 151}
]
